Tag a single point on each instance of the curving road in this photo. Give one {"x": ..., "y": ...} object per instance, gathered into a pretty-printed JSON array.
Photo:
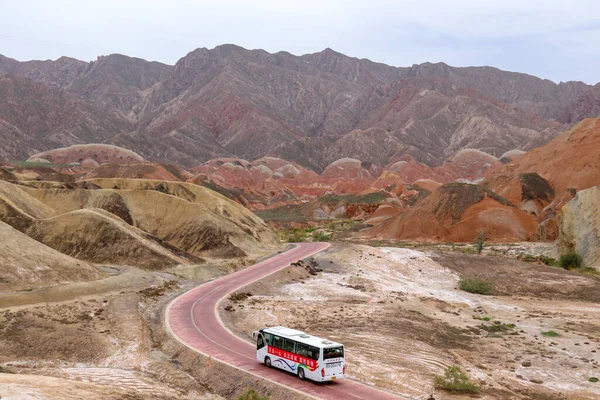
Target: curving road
[{"x": 193, "y": 320}]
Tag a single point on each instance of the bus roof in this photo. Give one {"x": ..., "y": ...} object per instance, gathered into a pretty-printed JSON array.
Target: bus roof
[{"x": 301, "y": 337}]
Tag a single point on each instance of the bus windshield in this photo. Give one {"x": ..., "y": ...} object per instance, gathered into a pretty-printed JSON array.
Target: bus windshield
[{"x": 333, "y": 352}]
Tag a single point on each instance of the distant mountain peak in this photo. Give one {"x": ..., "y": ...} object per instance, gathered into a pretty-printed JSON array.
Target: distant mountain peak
[{"x": 311, "y": 109}]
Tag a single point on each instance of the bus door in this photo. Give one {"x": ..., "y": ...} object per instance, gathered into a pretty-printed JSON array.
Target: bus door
[{"x": 261, "y": 346}]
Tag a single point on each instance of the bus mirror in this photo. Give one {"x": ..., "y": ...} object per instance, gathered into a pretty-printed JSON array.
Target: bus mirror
[{"x": 254, "y": 335}]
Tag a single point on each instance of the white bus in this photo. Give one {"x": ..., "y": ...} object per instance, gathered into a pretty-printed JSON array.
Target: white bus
[{"x": 309, "y": 357}]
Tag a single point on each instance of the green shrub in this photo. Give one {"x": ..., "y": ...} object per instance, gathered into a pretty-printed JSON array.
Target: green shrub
[
  {"x": 570, "y": 261},
  {"x": 498, "y": 326},
  {"x": 589, "y": 271},
  {"x": 548, "y": 261},
  {"x": 476, "y": 285},
  {"x": 550, "y": 334},
  {"x": 252, "y": 394},
  {"x": 320, "y": 237},
  {"x": 294, "y": 236},
  {"x": 455, "y": 380},
  {"x": 480, "y": 241},
  {"x": 593, "y": 379}
]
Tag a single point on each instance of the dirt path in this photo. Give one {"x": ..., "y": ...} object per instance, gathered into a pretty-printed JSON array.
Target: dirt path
[{"x": 127, "y": 278}]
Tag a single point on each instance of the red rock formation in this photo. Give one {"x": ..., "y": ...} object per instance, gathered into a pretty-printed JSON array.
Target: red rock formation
[
  {"x": 569, "y": 161},
  {"x": 454, "y": 213}
]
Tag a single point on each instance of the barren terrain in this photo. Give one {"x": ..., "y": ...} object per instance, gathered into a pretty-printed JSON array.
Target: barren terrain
[
  {"x": 104, "y": 340},
  {"x": 403, "y": 320}
]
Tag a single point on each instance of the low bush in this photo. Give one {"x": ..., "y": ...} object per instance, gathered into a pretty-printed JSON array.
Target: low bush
[
  {"x": 476, "y": 285},
  {"x": 294, "y": 236},
  {"x": 455, "y": 380},
  {"x": 571, "y": 261},
  {"x": 252, "y": 394},
  {"x": 593, "y": 379},
  {"x": 550, "y": 334},
  {"x": 589, "y": 271},
  {"x": 543, "y": 259},
  {"x": 320, "y": 237},
  {"x": 497, "y": 326}
]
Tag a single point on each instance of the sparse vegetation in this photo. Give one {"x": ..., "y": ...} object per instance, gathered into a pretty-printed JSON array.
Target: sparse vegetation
[
  {"x": 538, "y": 258},
  {"x": 295, "y": 235},
  {"x": 476, "y": 285},
  {"x": 571, "y": 260},
  {"x": 497, "y": 327},
  {"x": 482, "y": 318},
  {"x": 252, "y": 394},
  {"x": 455, "y": 380},
  {"x": 285, "y": 213},
  {"x": 235, "y": 297},
  {"x": 550, "y": 334},
  {"x": 370, "y": 198},
  {"x": 480, "y": 240},
  {"x": 588, "y": 271},
  {"x": 6, "y": 370},
  {"x": 320, "y": 237},
  {"x": 593, "y": 379}
]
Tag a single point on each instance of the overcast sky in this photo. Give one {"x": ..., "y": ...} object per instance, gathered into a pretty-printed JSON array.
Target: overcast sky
[{"x": 557, "y": 40}]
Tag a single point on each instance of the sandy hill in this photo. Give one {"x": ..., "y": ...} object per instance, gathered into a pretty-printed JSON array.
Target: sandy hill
[
  {"x": 191, "y": 216},
  {"x": 97, "y": 235},
  {"x": 149, "y": 224},
  {"x": 163, "y": 172},
  {"x": 27, "y": 264}
]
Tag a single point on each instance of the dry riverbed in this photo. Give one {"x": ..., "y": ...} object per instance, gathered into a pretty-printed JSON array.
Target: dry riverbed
[{"x": 403, "y": 320}]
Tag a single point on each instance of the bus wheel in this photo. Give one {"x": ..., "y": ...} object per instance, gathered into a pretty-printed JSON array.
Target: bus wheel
[
  {"x": 268, "y": 362},
  {"x": 301, "y": 373}
]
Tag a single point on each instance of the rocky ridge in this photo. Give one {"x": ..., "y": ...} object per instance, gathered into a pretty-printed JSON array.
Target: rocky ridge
[{"x": 311, "y": 110}]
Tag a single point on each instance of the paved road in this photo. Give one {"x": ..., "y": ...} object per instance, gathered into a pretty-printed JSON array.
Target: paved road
[{"x": 193, "y": 320}]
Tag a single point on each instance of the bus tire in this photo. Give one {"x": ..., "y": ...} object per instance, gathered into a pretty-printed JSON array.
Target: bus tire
[
  {"x": 268, "y": 361},
  {"x": 301, "y": 374}
]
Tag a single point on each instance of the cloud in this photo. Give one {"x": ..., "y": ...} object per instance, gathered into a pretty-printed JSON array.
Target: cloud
[{"x": 551, "y": 39}]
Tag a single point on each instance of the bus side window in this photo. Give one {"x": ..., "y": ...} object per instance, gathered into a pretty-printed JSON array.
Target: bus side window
[
  {"x": 260, "y": 342},
  {"x": 289, "y": 345},
  {"x": 269, "y": 338},
  {"x": 302, "y": 349},
  {"x": 313, "y": 352},
  {"x": 277, "y": 342}
]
